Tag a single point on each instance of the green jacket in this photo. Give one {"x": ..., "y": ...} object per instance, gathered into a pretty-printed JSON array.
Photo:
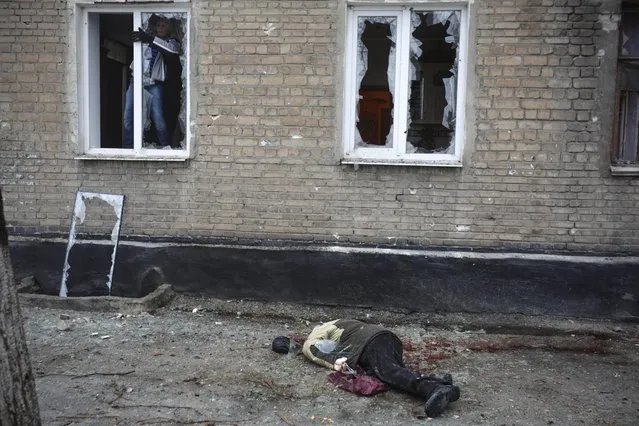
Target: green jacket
[{"x": 349, "y": 337}]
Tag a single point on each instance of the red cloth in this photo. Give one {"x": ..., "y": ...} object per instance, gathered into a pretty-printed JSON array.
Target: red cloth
[{"x": 359, "y": 385}]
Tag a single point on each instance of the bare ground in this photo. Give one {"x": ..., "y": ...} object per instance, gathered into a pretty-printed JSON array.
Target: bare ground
[{"x": 177, "y": 366}]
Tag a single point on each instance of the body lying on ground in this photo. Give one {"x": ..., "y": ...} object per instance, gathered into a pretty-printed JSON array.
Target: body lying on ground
[{"x": 345, "y": 343}]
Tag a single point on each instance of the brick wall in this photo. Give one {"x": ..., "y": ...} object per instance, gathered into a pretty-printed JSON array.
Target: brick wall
[
  {"x": 544, "y": 110},
  {"x": 266, "y": 90}
]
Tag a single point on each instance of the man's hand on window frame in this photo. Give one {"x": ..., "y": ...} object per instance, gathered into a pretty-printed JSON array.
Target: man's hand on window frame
[{"x": 142, "y": 36}]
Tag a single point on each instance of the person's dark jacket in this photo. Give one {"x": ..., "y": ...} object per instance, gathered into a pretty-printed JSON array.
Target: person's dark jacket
[{"x": 349, "y": 337}]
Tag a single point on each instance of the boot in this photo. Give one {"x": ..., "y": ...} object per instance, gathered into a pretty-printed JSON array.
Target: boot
[
  {"x": 446, "y": 379},
  {"x": 455, "y": 395},
  {"x": 439, "y": 399}
]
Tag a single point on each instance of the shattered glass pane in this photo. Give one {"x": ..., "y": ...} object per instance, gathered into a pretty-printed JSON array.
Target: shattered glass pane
[
  {"x": 376, "y": 37},
  {"x": 164, "y": 103},
  {"x": 433, "y": 81}
]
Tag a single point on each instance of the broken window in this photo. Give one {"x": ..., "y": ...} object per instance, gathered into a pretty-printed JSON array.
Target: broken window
[
  {"x": 376, "y": 77},
  {"x": 403, "y": 75},
  {"x": 627, "y": 147},
  {"x": 133, "y": 96},
  {"x": 433, "y": 81}
]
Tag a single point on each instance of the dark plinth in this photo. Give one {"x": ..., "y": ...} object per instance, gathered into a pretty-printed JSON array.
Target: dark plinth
[{"x": 397, "y": 281}]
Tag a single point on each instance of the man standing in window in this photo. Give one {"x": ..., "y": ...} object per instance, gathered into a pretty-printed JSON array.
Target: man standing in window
[{"x": 162, "y": 79}]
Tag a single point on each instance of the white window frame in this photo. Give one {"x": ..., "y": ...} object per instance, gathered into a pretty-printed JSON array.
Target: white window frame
[
  {"x": 396, "y": 153},
  {"x": 89, "y": 86}
]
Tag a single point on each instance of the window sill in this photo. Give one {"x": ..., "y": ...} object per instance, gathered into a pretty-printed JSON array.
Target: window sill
[
  {"x": 631, "y": 170},
  {"x": 165, "y": 156},
  {"x": 388, "y": 162}
]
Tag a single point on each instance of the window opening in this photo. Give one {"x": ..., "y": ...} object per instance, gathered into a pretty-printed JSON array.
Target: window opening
[
  {"x": 112, "y": 89},
  {"x": 163, "y": 111},
  {"x": 404, "y": 86},
  {"x": 433, "y": 82},
  {"x": 376, "y": 80},
  {"x": 116, "y": 53},
  {"x": 628, "y": 119}
]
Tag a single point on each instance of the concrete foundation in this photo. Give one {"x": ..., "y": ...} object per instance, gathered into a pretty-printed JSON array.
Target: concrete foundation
[{"x": 400, "y": 280}]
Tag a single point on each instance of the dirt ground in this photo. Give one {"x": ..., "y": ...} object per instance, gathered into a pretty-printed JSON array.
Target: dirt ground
[{"x": 193, "y": 363}]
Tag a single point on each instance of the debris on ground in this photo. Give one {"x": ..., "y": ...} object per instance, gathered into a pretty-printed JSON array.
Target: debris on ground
[{"x": 174, "y": 367}]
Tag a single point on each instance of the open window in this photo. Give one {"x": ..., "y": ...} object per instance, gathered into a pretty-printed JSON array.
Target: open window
[
  {"x": 405, "y": 86},
  {"x": 625, "y": 145},
  {"x": 133, "y": 95}
]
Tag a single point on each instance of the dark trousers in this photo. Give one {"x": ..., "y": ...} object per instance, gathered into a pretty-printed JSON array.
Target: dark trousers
[{"x": 382, "y": 357}]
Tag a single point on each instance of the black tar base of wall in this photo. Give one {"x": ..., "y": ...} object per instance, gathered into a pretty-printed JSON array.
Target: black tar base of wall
[{"x": 388, "y": 280}]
